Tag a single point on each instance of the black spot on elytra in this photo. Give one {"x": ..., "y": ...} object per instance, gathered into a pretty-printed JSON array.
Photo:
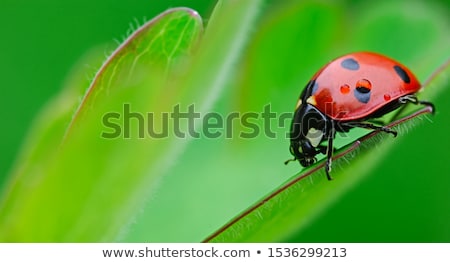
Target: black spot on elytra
[
  {"x": 350, "y": 64},
  {"x": 362, "y": 89},
  {"x": 402, "y": 74},
  {"x": 362, "y": 94}
]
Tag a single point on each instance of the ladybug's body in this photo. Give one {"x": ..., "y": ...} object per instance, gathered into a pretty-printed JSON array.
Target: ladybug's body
[{"x": 344, "y": 94}]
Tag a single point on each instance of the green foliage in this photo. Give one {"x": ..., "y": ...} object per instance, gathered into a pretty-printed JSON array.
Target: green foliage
[
  {"x": 88, "y": 193},
  {"x": 70, "y": 184}
]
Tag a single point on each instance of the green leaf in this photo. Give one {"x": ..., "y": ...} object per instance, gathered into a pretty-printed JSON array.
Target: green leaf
[
  {"x": 183, "y": 189},
  {"x": 86, "y": 188},
  {"x": 293, "y": 205},
  {"x": 155, "y": 46},
  {"x": 210, "y": 74},
  {"x": 295, "y": 209}
]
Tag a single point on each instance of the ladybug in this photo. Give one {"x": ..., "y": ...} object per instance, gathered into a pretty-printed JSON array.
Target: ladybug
[{"x": 348, "y": 92}]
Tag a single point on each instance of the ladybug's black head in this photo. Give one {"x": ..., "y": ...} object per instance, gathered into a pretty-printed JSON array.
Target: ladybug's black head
[
  {"x": 303, "y": 152},
  {"x": 309, "y": 129}
]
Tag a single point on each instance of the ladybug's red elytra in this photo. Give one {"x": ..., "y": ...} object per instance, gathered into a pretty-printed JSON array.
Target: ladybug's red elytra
[{"x": 348, "y": 92}]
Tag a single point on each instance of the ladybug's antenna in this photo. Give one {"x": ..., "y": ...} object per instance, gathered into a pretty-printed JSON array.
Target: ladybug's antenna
[{"x": 290, "y": 160}]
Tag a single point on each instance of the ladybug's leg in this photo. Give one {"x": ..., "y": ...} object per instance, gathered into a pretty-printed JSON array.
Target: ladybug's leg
[
  {"x": 322, "y": 149},
  {"x": 371, "y": 126},
  {"x": 329, "y": 158},
  {"x": 330, "y": 152},
  {"x": 413, "y": 99}
]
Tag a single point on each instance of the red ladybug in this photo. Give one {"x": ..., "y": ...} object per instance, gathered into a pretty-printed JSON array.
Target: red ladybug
[{"x": 346, "y": 93}]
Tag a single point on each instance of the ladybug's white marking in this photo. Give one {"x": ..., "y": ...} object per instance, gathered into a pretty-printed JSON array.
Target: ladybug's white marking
[
  {"x": 312, "y": 100},
  {"x": 314, "y": 136}
]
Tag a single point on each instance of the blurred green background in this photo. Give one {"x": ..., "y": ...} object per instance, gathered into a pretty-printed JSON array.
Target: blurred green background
[{"x": 406, "y": 199}]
